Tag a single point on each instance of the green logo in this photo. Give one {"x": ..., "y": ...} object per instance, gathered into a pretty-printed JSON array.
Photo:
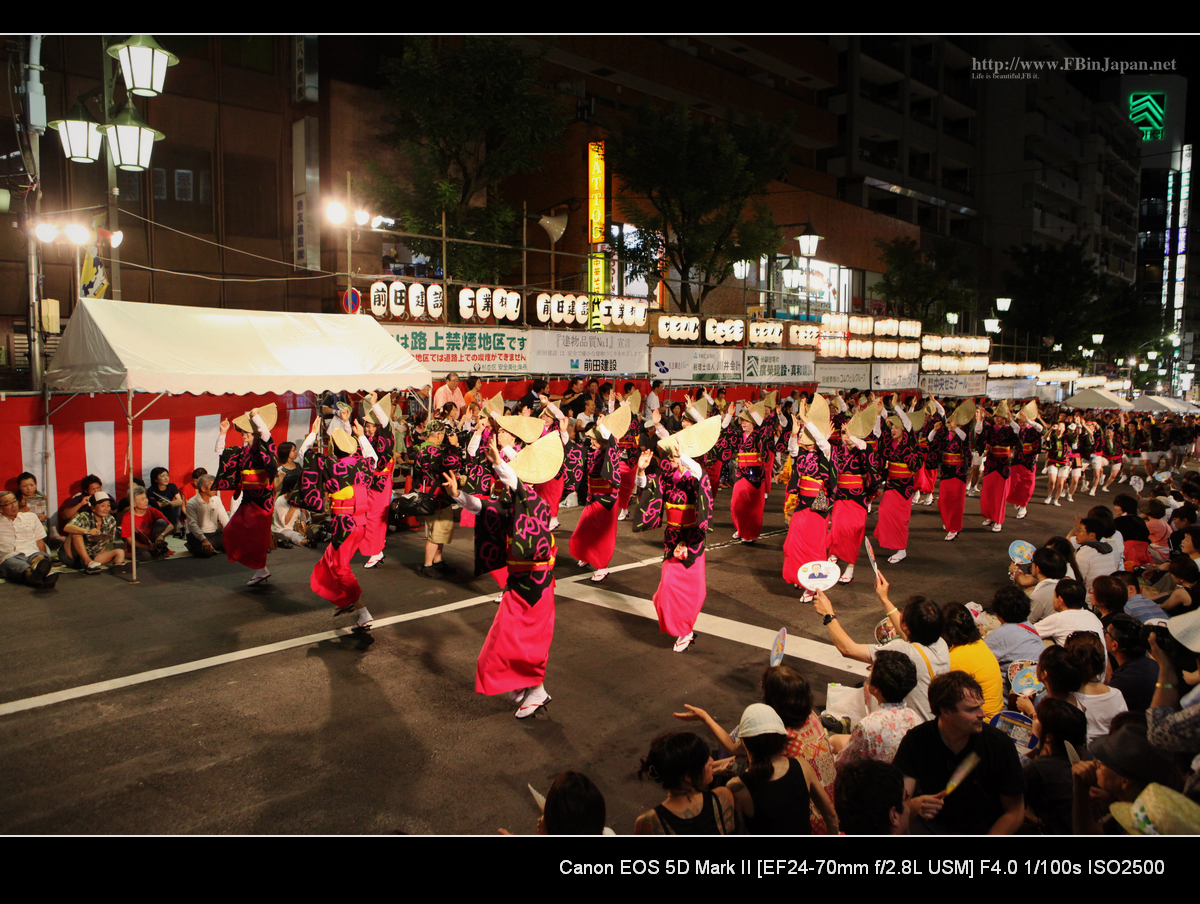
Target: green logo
[{"x": 1146, "y": 112}]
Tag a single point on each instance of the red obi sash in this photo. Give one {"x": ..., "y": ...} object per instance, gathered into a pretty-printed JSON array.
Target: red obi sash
[
  {"x": 256, "y": 479},
  {"x": 681, "y": 515},
  {"x": 809, "y": 486},
  {"x": 342, "y": 502},
  {"x": 850, "y": 482},
  {"x": 898, "y": 470},
  {"x": 600, "y": 487},
  {"x": 951, "y": 459},
  {"x": 749, "y": 460}
]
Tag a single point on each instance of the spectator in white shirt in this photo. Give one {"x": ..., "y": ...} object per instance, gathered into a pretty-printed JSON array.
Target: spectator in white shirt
[
  {"x": 1069, "y": 615},
  {"x": 206, "y": 519},
  {"x": 23, "y": 555}
]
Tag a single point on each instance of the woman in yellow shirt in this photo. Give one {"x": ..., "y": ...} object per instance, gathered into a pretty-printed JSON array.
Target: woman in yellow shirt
[{"x": 968, "y": 653}]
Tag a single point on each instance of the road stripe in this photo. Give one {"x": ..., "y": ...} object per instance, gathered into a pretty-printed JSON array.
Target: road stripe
[{"x": 577, "y": 587}]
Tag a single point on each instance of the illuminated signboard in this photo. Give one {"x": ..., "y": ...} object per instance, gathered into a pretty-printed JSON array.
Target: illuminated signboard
[
  {"x": 1146, "y": 112},
  {"x": 596, "y": 192}
]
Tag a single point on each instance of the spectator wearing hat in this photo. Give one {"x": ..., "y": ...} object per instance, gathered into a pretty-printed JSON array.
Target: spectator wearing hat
[
  {"x": 772, "y": 795},
  {"x": 23, "y": 555},
  {"x": 1124, "y": 763},
  {"x": 89, "y": 534}
]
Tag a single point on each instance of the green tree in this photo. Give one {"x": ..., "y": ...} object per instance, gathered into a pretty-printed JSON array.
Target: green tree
[
  {"x": 693, "y": 191},
  {"x": 467, "y": 116},
  {"x": 923, "y": 285},
  {"x": 1057, "y": 295}
]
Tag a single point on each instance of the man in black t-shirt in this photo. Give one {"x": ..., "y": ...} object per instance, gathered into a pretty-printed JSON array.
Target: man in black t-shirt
[{"x": 989, "y": 800}]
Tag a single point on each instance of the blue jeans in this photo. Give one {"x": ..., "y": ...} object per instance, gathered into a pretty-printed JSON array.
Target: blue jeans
[{"x": 13, "y": 568}]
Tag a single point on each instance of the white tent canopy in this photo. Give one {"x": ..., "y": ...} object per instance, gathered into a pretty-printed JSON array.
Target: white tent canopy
[
  {"x": 115, "y": 345},
  {"x": 1097, "y": 398}
]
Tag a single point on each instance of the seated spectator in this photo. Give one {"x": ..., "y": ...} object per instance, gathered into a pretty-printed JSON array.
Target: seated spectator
[
  {"x": 196, "y": 475},
  {"x": 775, "y": 792},
  {"x": 920, "y": 639},
  {"x": 968, "y": 653},
  {"x": 1123, "y": 764},
  {"x": 1047, "y": 568},
  {"x": 165, "y": 496},
  {"x": 574, "y": 806},
  {"x": 288, "y": 522},
  {"x": 23, "y": 554},
  {"x": 681, "y": 763},
  {"x": 149, "y": 530},
  {"x": 1144, "y": 610},
  {"x": 990, "y": 800},
  {"x": 877, "y": 736},
  {"x": 1184, "y": 598},
  {"x": 1094, "y": 555},
  {"x": 1133, "y": 529},
  {"x": 1015, "y": 639},
  {"x": 31, "y": 500},
  {"x": 1109, "y": 596},
  {"x": 1048, "y": 782},
  {"x": 1100, "y": 703},
  {"x": 786, "y": 691},
  {"x": 77, "y": 503},
  {"x": 871, "y": 799},
  {"x": 206, "y": 519},
  {"x": 287, "y": 478},
  {"x": 1134, "y": 672},
  {"x": 1154, "y": 513},
  {"x": 89, "y": 534},
  {"x": 1172, "y": 717},
  {"x": 1069, "y": 615}
]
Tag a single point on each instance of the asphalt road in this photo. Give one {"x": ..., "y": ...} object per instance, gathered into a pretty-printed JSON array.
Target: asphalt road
[{"x": 191, "y": 704}]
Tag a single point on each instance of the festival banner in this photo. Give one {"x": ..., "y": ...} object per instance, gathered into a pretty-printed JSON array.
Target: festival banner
[
  {"x": 957, "y": 385},
  {"x": 564, "y": 352},
  {"x": 465, "y": 349},
  {"x": 893, "y": 375},
  {"x": 775, "y": 366},
  {"x": 831, "y": 377}
]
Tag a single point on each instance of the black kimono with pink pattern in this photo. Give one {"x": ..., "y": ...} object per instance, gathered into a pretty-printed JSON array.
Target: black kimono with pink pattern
[
  {"x": 385, "y": 447},
  {"x": 515, "y": 528},
  {"x": 259, "y": 455},
  {"x": 322, "y": 475},
  {"x": 603, "y": 465},
  {"x": 674, "y": 487}
]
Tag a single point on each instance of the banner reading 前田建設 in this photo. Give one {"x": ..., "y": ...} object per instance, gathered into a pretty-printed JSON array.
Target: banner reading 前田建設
[
  {"x": 584, "y": 353},
  {"x": 465, "y": 349}
]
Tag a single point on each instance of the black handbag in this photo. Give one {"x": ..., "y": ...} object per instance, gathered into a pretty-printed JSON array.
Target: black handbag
[{"x": 415, "y": 503}]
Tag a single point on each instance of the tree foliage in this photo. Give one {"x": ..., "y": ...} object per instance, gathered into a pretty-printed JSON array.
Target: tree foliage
[
  {"x": 693, "y": 187},
  {"x": 923, "y": 285},
  {"x": 465, "y": 118}
]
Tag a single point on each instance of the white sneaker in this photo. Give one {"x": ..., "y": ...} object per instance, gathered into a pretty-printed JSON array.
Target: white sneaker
[
  {"x": 996, "y": 528},
  {"x": 1059, "y": 504},
  {"x": 899, "y": 557},
  {"x": 847, "y": 575},
  {"x": 623, "y": 514},
  {"x": 600, "y": 575},
  {"x": 1123, "y": 478},
  {"x": 1070, "y": 498},
  {"x": 1104, "y": 489},
  {"x": 682, "y": 643},
  {"x": 1021, "y": 512},
  {"x": 1047, "y": 501},
  {"x": 1092, "y": 491},
  {"x": 951, "y": 535}
]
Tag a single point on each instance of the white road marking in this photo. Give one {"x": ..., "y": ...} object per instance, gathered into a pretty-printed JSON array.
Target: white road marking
[{"x": 577, "y": 587}]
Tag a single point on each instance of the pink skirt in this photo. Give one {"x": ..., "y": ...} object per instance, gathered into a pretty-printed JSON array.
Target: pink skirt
[
  {"x": 993, "y": 497},
  {"x": 951, "y": 501},
  {"x": 926, "y": 480},
  {"x": 747, "y": 510},
  {"x": 248, "y": 536},
  {"x": 551, "y": 493},
  {"x": 1020, "y": 485},
  {"x": 628, "y": 475},
  {"x": 680, "y": 596},
  {"x": 895, "y": 513},
  {"x": 332, "y": 578},
  {"x": 375, "y": 522},
  {"x": 807, "y": 541},
  {"x": 595, "y": 536},
  {"x": 517, "y": 646},
  {"x": 846, "y": 531}
]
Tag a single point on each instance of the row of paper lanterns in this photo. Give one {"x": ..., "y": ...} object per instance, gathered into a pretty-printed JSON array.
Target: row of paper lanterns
[
  {"x": 558, "y": 307},
  {"x": 950, "y": 364},
  {"x": 865, "y": 325},
  {"x": 1007, "y": 369},
  {"x": 400, "y": 299}
]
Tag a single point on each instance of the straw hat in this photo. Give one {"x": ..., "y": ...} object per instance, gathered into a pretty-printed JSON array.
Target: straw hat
[
  {"x": 770, "y": 398},
  {"x": 1031, "y": 410},
  {"x": 385, "y": 405},
  {"x": 345, "y": 443},
  {"x": 526, "y": 429},
  {"x": 818, "y": 416},
  {"x": 1158, "y": 811},
  {"x": 916, "y": 418},
  {"x": 268, "y": 413},
  {"x": 1002, "y": 410},
  {"x": 754, "y": 414},
  {"x": 634, "y": 401},
  {"x": 539, "y": 461},
  {"x": 695, "y": 440},
  {"x": 617, "y": 423},
  {"x": 701, "y": 406},
  {"x": 964, "y": 413},
  {"x": 862, "y": 423},
  {"x": 495, "y": 405}
]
